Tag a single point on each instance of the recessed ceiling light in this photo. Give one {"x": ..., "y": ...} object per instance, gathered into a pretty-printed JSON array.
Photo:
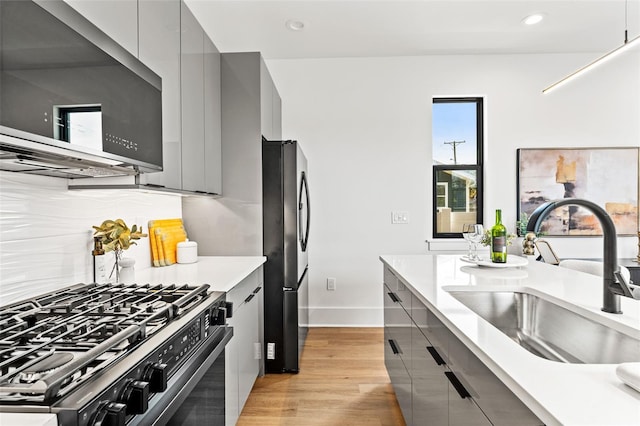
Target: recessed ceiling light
[
  {"x": 294, "y": 25},
  {"x": 533, "y": 19}
]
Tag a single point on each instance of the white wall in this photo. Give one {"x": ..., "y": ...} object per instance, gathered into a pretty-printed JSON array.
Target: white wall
[
  {"x": 46, "y": 235},
  {"x": 364, "y": 124}
]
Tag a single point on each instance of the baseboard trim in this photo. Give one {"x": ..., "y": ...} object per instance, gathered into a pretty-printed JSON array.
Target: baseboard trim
[{"x": 345, "y": 317}]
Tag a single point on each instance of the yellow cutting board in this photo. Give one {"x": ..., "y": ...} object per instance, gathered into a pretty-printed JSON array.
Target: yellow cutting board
[{"x": 165, "y": 234}]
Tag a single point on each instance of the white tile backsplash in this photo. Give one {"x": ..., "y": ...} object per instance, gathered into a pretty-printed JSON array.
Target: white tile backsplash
[{"x": 46, "y": 235}]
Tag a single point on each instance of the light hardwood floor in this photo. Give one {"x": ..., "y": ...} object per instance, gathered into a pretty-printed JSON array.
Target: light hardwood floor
[{"x": 342, "y": 381}]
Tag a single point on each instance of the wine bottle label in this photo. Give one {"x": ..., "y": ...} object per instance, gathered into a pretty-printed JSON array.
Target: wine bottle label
[{"x": 499, "y": 244}]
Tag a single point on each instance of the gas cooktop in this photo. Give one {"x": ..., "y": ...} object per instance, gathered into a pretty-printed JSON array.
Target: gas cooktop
[{"x": 54, "y": 346}]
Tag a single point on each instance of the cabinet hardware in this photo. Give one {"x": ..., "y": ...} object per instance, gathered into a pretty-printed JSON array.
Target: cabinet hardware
[
  {"x": 248, "y": 299},
  {"x": 436, "y": 356},
  {"x": 458, "y": 386},
  {"x": 257, "y": 290},
  {"x": 394, "y": 297},
  {"x": 395, "y": 347}
]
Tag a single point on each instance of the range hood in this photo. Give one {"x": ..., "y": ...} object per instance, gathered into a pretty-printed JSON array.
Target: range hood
[
  {"x": 25, "y": 156},
  {"x": 74, "y": 103}
]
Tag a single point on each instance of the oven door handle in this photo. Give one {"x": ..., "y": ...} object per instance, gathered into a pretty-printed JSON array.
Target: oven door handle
[{"x": 164, "y": 405}]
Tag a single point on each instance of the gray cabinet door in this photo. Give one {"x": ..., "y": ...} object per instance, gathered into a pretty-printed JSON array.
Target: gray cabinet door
[
  {"x": 212, "y": 119},
  {"x": 463, "y": 410},
  {"x": 430, "y": 387},
  {"x": 266, "y": 102},
  {"x": 497, "y": 402},
  {"x": 397, "y": 352},
  {"x": 276, "y": 115},
  {"x": 159, "y": 32},
  {"x": 270, "y": 106},
  {"x": 192, "y": 101}
]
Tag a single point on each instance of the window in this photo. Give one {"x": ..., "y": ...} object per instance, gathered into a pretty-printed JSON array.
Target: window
[{"x": 457, "y": 164}]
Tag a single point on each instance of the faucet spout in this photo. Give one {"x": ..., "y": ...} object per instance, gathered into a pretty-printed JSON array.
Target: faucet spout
[{"x": 610, "y": 300}]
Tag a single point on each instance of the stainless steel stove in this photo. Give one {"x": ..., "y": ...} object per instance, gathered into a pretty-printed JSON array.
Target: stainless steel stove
[{"x": 111, "y": 354}]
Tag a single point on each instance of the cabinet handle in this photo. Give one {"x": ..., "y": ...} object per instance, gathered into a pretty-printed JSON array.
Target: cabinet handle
[
  {"x": 248, "y": 299},
  {"x": 394, "y": 347},
  {"x": 393, "y": 297},
  {"x": 458, "y": 386},
  {"x": 257, "y": 290},
  {"x": 436, "y": 356}
]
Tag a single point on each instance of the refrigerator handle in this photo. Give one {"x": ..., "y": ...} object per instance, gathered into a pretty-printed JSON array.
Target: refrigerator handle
[{"x": 304, "y": 237}]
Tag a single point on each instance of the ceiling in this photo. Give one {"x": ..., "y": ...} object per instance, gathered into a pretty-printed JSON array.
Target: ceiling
[{"x": 360, "y": 28}]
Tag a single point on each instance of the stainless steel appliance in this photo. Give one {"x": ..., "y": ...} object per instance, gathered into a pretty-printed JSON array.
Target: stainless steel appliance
[
  {"x": 286, "y": 221},
  {"x": 112, "y": 355},
  {"x": 74, "y": 103}
]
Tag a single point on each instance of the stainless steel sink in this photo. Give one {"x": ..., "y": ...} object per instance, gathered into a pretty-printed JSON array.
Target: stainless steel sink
[{"x": 549, "y": 330}]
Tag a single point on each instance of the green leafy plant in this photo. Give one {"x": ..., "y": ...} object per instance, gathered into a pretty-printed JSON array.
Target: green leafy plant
[
  {"x": 521, "y": 225},
  {"x": 116, "y": 236}
]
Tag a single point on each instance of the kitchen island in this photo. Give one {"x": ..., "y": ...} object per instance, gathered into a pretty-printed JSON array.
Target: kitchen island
[{"x": 556, "y": 392}]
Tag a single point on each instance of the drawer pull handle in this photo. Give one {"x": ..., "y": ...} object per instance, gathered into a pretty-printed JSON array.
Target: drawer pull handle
[
  {"x": 394, "y": 347},
  {"x": 436, "y": 356},
  {"x": 257, "y": 290},
  {"x": 394, "y": 297},
  {"x": 248, "y": 299},
  {"x": 457, "y": 385}
]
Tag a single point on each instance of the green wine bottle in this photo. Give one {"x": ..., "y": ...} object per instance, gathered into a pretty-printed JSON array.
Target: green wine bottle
[{"x": 499, "y": 240}]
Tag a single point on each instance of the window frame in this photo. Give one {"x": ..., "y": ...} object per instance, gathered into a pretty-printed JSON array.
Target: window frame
[{"x": 478, "y": 167}]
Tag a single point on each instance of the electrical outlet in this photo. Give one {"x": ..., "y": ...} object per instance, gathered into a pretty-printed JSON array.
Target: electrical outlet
[
  {"x": 257, "y": 350},
  {"x": 331, "y": 284},
  {"x": 271, "y": 351},
  {"x": 400, "y": 217}
]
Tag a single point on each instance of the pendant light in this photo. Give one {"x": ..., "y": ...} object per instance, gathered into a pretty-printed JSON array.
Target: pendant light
[{"x": 625, "y": 46}]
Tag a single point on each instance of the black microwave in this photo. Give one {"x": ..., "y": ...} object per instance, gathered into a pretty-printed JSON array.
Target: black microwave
[{"x": 70, "y": 95}]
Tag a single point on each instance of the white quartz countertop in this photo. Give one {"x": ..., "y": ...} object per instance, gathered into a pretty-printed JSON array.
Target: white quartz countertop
[
  {"x": 222, "y": 273},
  {"x": 558, "y": 393}
]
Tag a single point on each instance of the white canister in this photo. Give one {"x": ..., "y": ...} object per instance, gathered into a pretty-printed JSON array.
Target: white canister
[
  {"x": 187, "y": 252},
  {"x": 127, "y": 270}
]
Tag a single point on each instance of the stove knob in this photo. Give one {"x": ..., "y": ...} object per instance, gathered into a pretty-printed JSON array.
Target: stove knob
[
  {"x": 110, "y": 414},
  {"x": 136, "y": 397},
  {"x": 156, "y": 375}
]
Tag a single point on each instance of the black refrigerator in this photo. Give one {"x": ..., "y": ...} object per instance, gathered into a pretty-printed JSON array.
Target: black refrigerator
[{"x": 285, "y": 235}]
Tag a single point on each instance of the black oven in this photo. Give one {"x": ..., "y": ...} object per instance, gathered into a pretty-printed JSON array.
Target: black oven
[{"x": 195, "y": 394}]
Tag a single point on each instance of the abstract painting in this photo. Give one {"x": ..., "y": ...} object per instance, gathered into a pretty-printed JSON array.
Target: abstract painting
[{"x": 605, "y": 176}]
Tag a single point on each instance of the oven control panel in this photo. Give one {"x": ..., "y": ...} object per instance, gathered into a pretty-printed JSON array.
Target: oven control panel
[{"x": 129, "y": 395}]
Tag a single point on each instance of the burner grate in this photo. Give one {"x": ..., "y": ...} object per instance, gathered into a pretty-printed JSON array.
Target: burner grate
[{"x": 86, "y": 326}]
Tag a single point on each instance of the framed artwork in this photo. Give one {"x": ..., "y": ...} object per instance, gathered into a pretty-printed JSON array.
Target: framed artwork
[{"x": 605, "y": 176}]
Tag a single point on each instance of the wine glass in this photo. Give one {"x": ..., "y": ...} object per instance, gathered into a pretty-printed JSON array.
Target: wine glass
[
  {"x": 467, "y": 230},
  {"x": 475, "y": 237}
]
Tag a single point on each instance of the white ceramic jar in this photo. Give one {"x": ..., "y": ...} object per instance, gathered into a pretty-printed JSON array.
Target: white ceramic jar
[{"x": 187, "y": 252}]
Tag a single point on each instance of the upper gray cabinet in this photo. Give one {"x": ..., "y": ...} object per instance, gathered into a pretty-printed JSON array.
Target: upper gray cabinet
[
  {"x": 212, "y": 119},
  {"x": 200, "y": 103},
  {"x": 167, "y": 38},
  {"x": 159, "y": 27},
  {"x": 270, "y": 106},
  {"x": 192, "y": 101}
]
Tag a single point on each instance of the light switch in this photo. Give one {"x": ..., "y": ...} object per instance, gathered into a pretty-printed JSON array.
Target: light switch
[{"x": 399, "y": 217}]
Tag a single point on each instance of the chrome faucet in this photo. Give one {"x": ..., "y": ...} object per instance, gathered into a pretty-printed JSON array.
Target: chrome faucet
[{"x": 614, "y": 284}]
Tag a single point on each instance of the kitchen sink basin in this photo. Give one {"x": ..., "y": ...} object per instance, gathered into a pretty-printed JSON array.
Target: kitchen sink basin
[{"x": 549, "y": 330}]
